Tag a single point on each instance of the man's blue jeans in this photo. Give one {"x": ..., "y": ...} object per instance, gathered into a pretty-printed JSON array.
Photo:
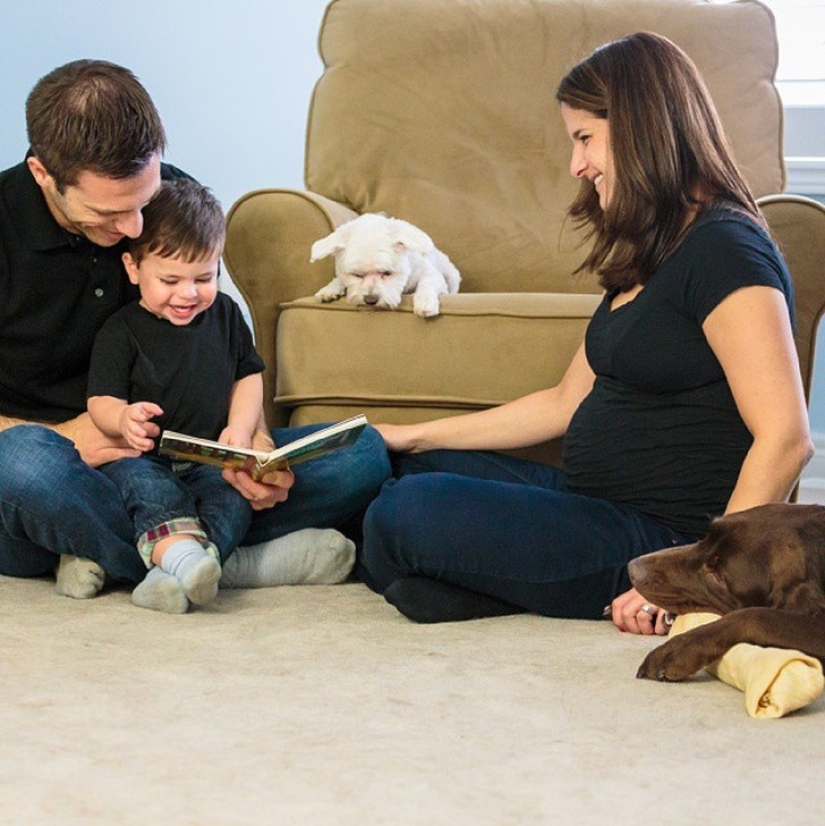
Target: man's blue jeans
[
  {"x": 52, "y": 503},
  {"x": 505, "y": 527},
  {"x": 158, "y": 491}
]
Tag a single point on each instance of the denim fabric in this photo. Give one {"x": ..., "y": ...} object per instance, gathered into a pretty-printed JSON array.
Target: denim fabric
[
  {"x": 52, "y": 503},
  {"x": 505, "y": 527},
  {"x": 332, "y": 492},
  {"x": 157, "y": 491}
]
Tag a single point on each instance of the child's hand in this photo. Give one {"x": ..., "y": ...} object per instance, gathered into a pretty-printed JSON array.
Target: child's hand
[
  {"x": 236, "y": 437},
  {"x": 136, "y": 427}
]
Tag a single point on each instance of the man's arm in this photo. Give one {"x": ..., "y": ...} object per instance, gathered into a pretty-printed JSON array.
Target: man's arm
[
  {"x": 6, "y": 422},
  {"x": 94, "y": 447}
]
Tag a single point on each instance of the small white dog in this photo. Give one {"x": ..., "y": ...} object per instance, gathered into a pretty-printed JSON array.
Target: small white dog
[{"x": 378, "y": 259}]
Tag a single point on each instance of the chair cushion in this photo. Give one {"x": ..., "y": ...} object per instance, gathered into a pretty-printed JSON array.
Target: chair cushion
[{"x": 482, "y": 350}]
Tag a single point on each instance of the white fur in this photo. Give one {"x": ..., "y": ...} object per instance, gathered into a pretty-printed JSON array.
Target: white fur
[{"x": 378, "y": 259}]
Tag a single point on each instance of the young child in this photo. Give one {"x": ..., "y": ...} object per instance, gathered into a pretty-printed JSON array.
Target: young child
[{"x": 181, "y": 358}]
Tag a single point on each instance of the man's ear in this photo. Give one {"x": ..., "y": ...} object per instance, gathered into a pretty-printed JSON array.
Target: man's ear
[
  {"x": 131, "y": 267},
  {"x": 39, "y": 172}
]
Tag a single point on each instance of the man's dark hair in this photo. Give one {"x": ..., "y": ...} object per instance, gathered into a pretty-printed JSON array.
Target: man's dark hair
[{"x": 95, "y": 116}]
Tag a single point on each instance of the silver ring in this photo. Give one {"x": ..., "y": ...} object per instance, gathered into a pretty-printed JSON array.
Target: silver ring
[{"x": 648, "y": 609}]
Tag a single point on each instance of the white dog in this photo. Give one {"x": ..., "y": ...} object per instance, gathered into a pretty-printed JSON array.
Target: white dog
[{"x": 378, "y": 259}]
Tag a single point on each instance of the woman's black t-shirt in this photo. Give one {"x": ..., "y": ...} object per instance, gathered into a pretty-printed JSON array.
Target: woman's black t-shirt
[{"x": 660, "y": 429}]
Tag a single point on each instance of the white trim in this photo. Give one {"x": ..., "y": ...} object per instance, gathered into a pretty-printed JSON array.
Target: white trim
[
  {"x": 812, "y": 482},
  {"x": 806, "y": 176},
  {"x": 801, "y": 94}
]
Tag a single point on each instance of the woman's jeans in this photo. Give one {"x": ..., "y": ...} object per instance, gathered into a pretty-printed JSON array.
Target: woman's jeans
[
  {"x": 505, "y": 527},
  {"x": 51, "y": 502},
  {"x": 157, "y": 491}
]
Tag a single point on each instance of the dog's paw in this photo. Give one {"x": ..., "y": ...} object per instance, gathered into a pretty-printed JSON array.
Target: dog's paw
[
  {"x": 676, "y": 660},
  {"x": 426, "y": 306},
  {"x": 330, "y": 293}
]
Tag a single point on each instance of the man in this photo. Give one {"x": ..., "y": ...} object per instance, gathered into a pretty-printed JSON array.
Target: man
[{"x": 96, "y": 143}]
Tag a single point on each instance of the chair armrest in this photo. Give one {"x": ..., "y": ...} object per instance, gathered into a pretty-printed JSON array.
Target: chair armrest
[
  {"x": 269, "y": 233},
  {"x": 798, "y": 225}
]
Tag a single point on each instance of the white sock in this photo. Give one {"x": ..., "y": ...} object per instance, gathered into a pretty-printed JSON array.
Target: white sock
[
  {"x": 78, "y": 578},
  {"x": 197, "y": 571},
  {"x": 313, "y": 556},
  {"x": 160, "y": 591}
]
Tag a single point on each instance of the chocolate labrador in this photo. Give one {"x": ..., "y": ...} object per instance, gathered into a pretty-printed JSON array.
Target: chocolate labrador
[{"x": 763, "y": 569}]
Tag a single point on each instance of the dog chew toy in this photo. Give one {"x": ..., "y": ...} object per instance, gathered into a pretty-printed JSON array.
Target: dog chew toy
[{"x": 776, "y": 681}]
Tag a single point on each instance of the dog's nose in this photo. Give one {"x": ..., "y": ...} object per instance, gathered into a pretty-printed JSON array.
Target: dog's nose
[
  {"x": 370, "y": 299},
  {"x": 636, "y": 571}
]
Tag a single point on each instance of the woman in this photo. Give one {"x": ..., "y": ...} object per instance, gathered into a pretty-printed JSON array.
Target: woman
[{"x": 683, "y": 403}]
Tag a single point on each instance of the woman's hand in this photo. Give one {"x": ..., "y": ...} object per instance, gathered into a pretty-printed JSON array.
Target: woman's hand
[
  {"x": 398, "y": 437},
  {"x": 631, "y": 612}
]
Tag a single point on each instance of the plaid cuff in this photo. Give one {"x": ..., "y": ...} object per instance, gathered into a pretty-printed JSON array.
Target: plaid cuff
[{"x": 191, "y": 526}]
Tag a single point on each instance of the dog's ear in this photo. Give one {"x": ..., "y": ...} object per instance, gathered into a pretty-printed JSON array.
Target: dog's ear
[
  {"x": 406, "y": 236},
  {"x": 331, "y": 244},
  {"x": 795, "y": 579},
  {"x": 803, "y": 598}
]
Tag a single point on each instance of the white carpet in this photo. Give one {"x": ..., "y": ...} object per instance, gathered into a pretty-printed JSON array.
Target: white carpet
[{"x": 322, "y": 705}]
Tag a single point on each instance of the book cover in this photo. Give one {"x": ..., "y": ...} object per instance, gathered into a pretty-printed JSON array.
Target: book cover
[{"x": 258, "y": 463}]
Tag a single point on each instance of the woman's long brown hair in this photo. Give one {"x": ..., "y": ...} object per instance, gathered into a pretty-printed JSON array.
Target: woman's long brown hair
[{"x": 670, "y": 155}]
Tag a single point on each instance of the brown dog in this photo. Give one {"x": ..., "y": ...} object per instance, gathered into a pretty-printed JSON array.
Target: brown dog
[{"x": 763, "y": 569}]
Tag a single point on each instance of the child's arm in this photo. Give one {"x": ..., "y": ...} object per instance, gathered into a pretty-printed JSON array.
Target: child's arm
[
  {"x": 115, "y": 417},
  {"x": 246, "y": 414}
]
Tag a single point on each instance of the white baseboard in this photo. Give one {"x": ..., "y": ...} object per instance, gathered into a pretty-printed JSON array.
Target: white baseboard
[
  {"x": 812, "y": 482},
  {"x": 806, "y": 176}
]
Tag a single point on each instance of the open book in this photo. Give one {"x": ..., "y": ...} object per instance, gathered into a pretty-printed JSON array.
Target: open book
[{"x": 257, "y": 462}]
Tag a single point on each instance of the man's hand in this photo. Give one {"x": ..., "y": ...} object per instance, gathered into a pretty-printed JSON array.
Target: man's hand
[
  {"x": 95, "y": 447},
  {"x": 273, "y": 488}
]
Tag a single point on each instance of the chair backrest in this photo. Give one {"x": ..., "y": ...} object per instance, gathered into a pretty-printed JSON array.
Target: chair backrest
[{"x": 442, "y": 112}]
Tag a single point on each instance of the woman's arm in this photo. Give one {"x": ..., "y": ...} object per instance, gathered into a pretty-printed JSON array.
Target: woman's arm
[
  {"x": 529, "y": 420},
  {"x": 750, "y": 333}
]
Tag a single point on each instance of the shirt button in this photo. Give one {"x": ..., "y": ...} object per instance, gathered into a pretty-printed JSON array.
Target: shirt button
[{"x": 99, "y": 292}]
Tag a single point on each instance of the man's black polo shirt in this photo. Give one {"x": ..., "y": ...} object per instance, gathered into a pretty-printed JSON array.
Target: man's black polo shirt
[{"x": 56, "y": 290}]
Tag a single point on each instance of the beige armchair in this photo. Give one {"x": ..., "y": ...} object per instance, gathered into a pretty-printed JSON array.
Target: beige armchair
[{"x": 442, "y": 112}]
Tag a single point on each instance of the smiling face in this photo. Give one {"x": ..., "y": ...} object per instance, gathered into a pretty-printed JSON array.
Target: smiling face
[
  {"x": 591, "y": 157},
  {"x": 104, "y": 210},
  {"x": 173, "y": 288}
]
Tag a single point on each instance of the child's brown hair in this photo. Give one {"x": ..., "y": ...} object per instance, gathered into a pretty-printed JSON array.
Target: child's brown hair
[{"x": 184, "y": 220}]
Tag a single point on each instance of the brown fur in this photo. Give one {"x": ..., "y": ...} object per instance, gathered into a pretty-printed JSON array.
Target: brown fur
[{"x": 763, "y": 569}]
